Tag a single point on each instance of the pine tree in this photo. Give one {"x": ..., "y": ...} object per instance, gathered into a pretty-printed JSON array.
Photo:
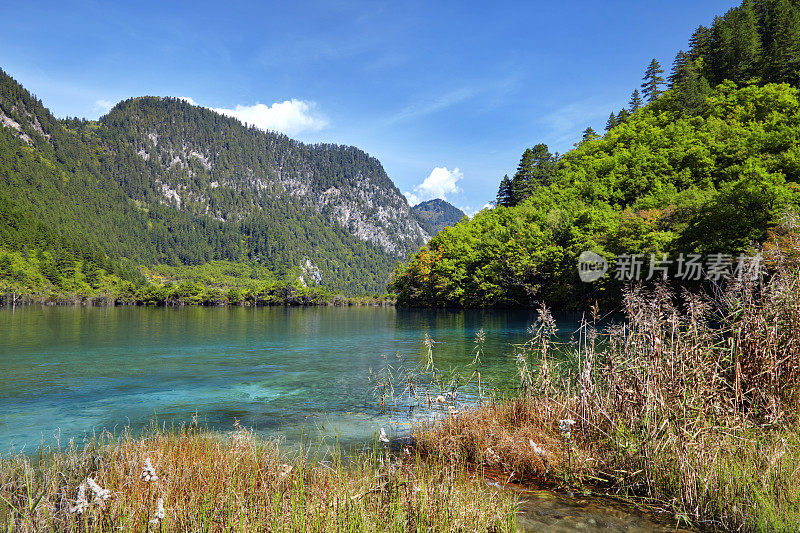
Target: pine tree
[
  {"x": 611, "y": 122},
  {"x": 589, "y": 135},
  {"x": 782, "y": 54},
  {"x": 636, "y": 102},
  {"x": 735, "y": 45},
  {"x": 622, "y": 116},
  {"x": 535, "y": 169},
  {"x": 679, "y": 66},
  {"x": 699, "y": 43},
  {"x": 505, "y": 193},
  {"x": 745, "y": 53},
  {"x": 652, "y": 81}
]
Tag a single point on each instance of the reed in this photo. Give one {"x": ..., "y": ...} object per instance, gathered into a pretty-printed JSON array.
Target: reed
[
  {"x": 690, "y": 404},
  {"x": 192, "y": 479}
]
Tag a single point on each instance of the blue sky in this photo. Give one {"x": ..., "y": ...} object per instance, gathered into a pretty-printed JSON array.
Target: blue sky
[{"x": 446, "y": 94}]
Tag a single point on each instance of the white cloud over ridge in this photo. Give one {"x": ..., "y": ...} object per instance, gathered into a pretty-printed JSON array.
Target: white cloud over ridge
[
  {"x": 439, "y": 183},
  {"x": 291, "y": 117},
  {"x": 104, "y": 106}
]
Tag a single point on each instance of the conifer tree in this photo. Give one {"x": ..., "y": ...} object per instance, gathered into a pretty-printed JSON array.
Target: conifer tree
[
  {"x": 651, "y": 88},
  {"x": 745, "y": 53},
  {"x": 636, "y": 102},
  {"x": 782, "y": 53},
  {"x": 505, "y": 193},
  {"x": 611, "y": 122},
  {"x": 535, "y": 169},
  {"x": 699, "y": 43},
  {"x": 735, "y": 46},
  {"x": 589, "y": 135},
  {"x": 622, "y": 116},
  {"x": 679, "y": 66}
]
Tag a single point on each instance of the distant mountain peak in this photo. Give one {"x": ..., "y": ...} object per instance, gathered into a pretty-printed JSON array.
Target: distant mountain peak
[{"x": 437, "y": 214}]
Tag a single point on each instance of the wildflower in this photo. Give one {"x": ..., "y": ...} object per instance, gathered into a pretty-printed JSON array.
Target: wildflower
[
  {"x": 382, "y": 437},
  {"x": 100, "y": 494},
  {"x": 81, "y": 503},
  {"x": 148, "y": 472},
  {"x": 452, "y": 410},
  {"x": 491, "y": 456},
  {"x": 285, "y": 470},
  {"x": 440, "y": 399},
  {"x": 160, "y": 513},
  {"x": 536, "y": 449},
  {"x": 566, "y": 427}
]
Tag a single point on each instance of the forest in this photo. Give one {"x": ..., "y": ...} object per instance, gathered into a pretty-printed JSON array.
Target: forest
[
  {"x": 156, "y": 181},
  {"x": 703, "y": 162}
]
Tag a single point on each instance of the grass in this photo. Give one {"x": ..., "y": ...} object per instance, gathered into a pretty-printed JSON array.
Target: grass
[
  {"x": 691, "y": 405},
  {"x": 207, "y": 482}
]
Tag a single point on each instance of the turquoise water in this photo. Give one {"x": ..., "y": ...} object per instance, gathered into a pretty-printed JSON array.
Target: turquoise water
[{"x": 295, "y": 372}]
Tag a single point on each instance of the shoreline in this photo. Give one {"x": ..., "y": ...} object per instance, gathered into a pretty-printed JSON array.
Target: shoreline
[{"x": 339, "y": 301}]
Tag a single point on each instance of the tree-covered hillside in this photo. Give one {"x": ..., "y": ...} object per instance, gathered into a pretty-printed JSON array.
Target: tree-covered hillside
[
  {"x": 435, "y": 215},
  {"x": 696, "y": 171},
  {"x": 158, "y": 181}
]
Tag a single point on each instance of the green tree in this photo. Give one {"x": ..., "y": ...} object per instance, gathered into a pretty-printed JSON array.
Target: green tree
[
  {"x": 505, "y": 194},
  {"x": 635, "y": 102},
  {"x": 651, "y": 88},
  {"x": 589, "y": 135},
  {"x": 535, "y": 169},
  {"x": 611, "y": 122},
  {"x": 782, "y": 36},
  {"x": 679, "y": 69}
]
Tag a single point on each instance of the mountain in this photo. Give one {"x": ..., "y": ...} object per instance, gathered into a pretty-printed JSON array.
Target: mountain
[
  {"x": 437, "y": 214},
  {"x": 160, "y": 181},
  {"x": 702, "y": 174}
]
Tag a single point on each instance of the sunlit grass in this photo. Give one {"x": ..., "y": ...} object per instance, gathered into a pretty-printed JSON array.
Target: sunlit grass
[{"x": 191, "y": 479}]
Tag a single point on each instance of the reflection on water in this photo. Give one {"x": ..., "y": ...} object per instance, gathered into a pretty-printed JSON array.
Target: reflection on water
[{"x": 294, "y": 372}]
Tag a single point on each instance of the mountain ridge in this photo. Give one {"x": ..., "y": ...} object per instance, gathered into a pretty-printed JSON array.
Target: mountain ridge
[
  {"x": 437, "y": 214},
  {"x": 160, "y": 181}
]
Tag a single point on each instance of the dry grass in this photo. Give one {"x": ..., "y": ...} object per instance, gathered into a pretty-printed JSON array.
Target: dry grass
[
  {"x": 206, "y": 482},
  {"x": 691, "y": 406}
]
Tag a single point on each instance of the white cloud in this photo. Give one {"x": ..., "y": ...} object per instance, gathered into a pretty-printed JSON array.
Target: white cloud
[
  {"x": 438, "y": 184},
  {"x": 104, "y": 106},
  {"x": 412, "y": 198},
  {"x": 471, "y": 213},
  {"x": 291, "y": 117}
]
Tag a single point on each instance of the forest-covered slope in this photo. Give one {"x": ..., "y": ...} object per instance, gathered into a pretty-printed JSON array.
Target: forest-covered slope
[
  {"x": 697, "y": 170},
  {"x": 437, "y": 214},
  {"x": 158, "y": 181}
]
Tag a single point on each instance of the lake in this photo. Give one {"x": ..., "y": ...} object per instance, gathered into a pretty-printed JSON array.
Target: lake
[{"x": 303, "y": 373}]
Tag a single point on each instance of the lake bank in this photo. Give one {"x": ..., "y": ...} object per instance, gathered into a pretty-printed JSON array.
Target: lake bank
[
  {"x": 691, "y": 410},
  {"x": 190, "y": 479}
]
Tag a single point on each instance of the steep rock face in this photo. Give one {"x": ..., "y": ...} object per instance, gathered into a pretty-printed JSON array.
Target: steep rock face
[
  {"x": 437, "y": 214},
  {"x": 209, "y": 164}
]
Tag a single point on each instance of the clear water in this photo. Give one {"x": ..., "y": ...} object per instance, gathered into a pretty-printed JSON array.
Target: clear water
[{"x": 300, "y": 373}]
